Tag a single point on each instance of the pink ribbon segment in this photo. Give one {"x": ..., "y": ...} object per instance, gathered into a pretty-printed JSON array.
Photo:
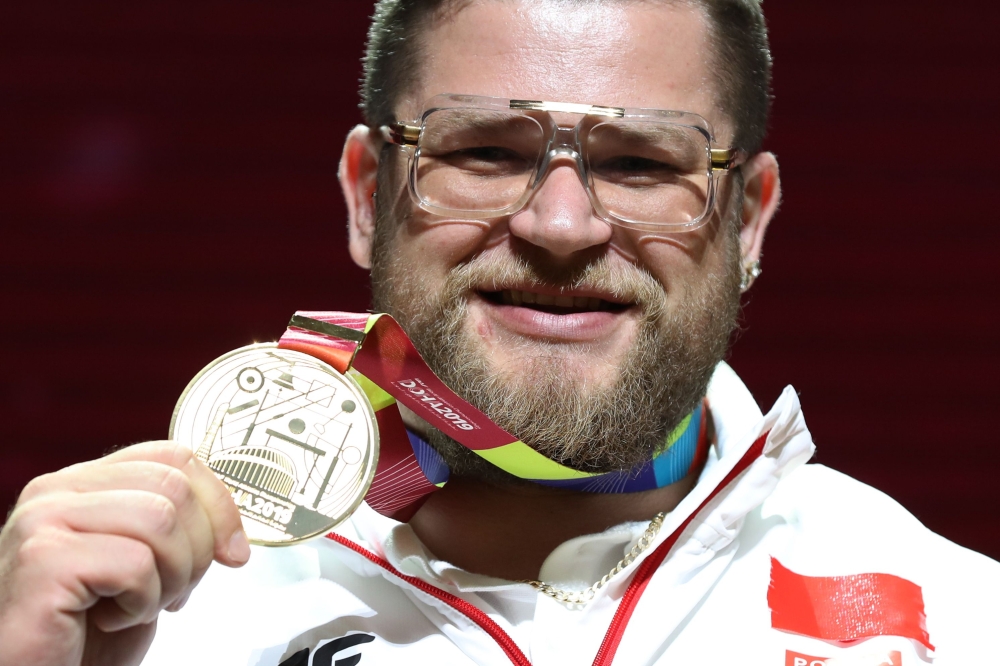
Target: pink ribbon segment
[
  {"x": 385, "y": 355},
  {"x": 378, "y": 348},
  {"x": 389, "y": 359},
  {"x": 846, "y": 608},
  {"x": 335, "y": 345},
  {"x": 400, "y": 486}
]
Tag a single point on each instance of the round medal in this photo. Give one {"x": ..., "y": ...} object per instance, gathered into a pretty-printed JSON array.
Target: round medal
[{"x": 295, "y": 441}]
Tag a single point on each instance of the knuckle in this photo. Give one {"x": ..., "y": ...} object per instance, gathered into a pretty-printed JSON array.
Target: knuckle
[
  {"x": 138, "y": 558},
  {"x": 30, "y": 516},
  {"x": 39, "y": 546},
  {"x": 162, "y": 514},
  {"x": 138, "y": 564},
  {"x": 17, "y": 527},
  {"x": 38, "y": 486},
  {"x": 164, "y": 452},
  {"x": 176, "y": 486},
  {"x": 178, "y": 455}
]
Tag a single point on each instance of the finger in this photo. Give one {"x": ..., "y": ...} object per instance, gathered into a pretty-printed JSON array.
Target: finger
[
  {"x": 229, "y": 544},
  {"x": 232, "y": 546},
  {"x": 85, "y": 567},
  {"x": 138, "y": 475},
  {"x": 143, "y": 516},
  {"x": 179, "y": 603},
  {"x": 230, "y": 541}
]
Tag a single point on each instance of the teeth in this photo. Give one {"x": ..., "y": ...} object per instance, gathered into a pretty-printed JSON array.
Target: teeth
[
  {"x": 564, "y": 301},
  {"x": 517, "y": 297}
]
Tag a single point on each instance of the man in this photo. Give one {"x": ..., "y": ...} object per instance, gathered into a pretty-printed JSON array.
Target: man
[{"x": 561, "y": 202}]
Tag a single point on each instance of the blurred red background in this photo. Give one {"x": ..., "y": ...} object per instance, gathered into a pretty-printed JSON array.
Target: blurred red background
[{"x": 168, "y": 192}]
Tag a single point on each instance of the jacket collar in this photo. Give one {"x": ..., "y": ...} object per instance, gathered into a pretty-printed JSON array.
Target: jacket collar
[{"x": 738, "y": 423}]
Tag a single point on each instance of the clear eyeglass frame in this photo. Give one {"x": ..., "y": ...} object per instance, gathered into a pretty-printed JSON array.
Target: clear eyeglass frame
[{"x": 563, "y": 140}]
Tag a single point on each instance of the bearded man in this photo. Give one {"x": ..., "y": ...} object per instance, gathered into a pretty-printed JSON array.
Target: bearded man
[{"x": 560, "y": 201}]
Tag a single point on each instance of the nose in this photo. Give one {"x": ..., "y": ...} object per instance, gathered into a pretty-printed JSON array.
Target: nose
[{"x": 559, "y": 216}]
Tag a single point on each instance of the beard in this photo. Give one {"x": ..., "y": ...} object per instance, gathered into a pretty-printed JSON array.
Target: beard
[{"x": 546, "y": 401}]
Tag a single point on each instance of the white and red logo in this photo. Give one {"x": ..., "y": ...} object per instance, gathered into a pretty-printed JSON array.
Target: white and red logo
[{"x": 434, "y": 403}]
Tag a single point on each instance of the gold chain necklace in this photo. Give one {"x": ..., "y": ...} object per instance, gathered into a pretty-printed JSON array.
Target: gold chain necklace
[{"x": 583, "y": 597}]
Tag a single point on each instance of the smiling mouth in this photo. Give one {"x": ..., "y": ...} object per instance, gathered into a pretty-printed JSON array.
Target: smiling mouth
[{"x": 559, "y": 305}]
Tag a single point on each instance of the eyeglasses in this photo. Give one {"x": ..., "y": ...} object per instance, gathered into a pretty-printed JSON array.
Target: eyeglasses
[{"x": 477, "y": 158}]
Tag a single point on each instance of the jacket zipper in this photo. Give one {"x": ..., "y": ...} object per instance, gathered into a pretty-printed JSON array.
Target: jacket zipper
[
  {"x": 613, "y": 637},
  {"x": 606, "y": 653}
]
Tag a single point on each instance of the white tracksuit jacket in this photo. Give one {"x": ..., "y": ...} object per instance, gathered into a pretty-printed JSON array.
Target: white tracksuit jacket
[{"x": 324, "y": 604}]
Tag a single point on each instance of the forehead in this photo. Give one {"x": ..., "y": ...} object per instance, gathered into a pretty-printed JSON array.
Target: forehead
[{"x": 635, "y": 53}]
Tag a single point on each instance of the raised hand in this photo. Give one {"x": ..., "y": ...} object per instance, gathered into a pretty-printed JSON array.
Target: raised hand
[{"x": 91, "y": 554}]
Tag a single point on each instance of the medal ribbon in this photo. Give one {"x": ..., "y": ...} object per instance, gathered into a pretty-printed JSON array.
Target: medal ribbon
[{"x": 377, "y": 353}]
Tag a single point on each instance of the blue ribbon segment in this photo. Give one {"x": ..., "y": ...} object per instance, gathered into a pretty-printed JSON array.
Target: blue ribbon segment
[{"x": 666, "y": 468}]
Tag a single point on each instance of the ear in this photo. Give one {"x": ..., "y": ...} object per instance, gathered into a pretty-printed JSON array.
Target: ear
[
  {"x": 357, "y": 174},
  {"x": 761, "y": 196}
]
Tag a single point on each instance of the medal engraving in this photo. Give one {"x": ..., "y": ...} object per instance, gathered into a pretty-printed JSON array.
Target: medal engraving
[{"x": 295, "y": 441}]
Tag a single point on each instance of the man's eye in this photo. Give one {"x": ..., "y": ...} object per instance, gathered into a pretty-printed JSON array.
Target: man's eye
[
  {"x": 632, "y": 164},
  {"x": 636, "y": 171},
  {"x": 487, "y": 154},
  {"x": 491, "y": 161}
]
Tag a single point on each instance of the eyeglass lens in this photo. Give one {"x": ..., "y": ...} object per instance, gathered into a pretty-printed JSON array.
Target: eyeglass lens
[{"x": 643, "y": 171}]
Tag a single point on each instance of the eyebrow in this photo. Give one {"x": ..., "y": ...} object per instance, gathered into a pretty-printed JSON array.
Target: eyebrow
[
  {"x": 472, "y": 119},
  {"x": 648, "y": 131}
]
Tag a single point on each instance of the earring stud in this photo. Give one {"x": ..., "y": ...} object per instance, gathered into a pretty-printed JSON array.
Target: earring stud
[{"x": 751, "y": 272}]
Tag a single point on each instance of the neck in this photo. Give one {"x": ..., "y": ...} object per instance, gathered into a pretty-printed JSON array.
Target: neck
[{"x": 508, "y": 531}]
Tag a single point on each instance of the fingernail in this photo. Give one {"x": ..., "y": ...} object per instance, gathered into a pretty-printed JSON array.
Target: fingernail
[
  {"x": 179, "y": 603},
  {"x": 239, "y": 547}
]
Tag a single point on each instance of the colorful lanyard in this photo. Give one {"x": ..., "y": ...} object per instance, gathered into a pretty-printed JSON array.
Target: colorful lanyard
[{"x": 375, "y": 351}]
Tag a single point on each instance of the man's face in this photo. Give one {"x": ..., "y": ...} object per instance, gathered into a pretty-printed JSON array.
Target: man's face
[{"x": 626, "y": 325}]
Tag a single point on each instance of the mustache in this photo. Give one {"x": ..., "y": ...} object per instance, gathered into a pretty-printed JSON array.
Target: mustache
[{"x": 623, "y": 281}]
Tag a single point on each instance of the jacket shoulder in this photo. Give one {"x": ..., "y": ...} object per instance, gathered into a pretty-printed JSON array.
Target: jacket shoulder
[
  {"x": 820, "y": 522},
  {"x": 845, "y": 510}
]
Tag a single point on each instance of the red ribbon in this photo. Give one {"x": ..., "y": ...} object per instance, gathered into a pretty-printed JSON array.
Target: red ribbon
[
  {"x": 846, "y": 608},
  {"x": 383, "y": 353},
  {"x": 390, "y": 360}
]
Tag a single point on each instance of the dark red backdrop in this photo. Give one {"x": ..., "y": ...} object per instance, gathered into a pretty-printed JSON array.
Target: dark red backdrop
[{"x": 168, "y": 192}]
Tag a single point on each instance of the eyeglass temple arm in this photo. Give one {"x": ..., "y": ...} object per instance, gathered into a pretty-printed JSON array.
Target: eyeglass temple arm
[
  {"x": 724, "y": 159},
  {"x": 400, "y": 134}
]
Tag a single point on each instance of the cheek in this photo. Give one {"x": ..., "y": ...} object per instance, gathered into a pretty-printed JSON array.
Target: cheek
[
  {"x": 681, "y": 261},
  {"x": 443, "y": 243}
]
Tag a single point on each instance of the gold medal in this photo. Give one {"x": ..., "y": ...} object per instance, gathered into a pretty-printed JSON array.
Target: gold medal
[{"x": 295, "y": 441}]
